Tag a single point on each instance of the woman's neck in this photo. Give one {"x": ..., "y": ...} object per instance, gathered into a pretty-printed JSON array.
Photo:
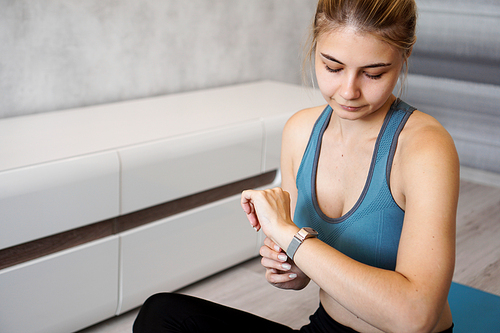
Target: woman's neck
[{"x": 347, "y": 130}]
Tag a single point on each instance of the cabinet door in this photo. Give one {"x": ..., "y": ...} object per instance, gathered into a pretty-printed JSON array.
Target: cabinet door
[
  {"x": 46, "y": 199},
  {"x": 273, "y": 127},
  {"x": 174, "y": 252},
  {"x": 169, "y": 169},
  {"x": 63, "y": 292}
]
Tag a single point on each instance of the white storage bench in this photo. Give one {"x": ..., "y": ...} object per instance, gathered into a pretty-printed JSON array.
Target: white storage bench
[{"x": 102, "y": 206}]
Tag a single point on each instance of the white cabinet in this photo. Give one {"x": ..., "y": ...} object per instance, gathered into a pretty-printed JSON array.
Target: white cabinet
[
  {"x": 65, "y": 170},
  {"x": 174, "y": 252},
  {"x": 63, "y": 292},
  {"x": 273, "y": 129},
  {"x": 44, "y": 199},
  {"x": 165, "y": 170}
]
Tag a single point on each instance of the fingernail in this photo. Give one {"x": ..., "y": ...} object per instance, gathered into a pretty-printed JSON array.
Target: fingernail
[
  {"x": 286, "y": 266},
  {"x": 292, "y": 276},
  {"x": 277, "y": 248},
  {"x": 255, "y": 228},
  {"x": 282, "y": 257}
]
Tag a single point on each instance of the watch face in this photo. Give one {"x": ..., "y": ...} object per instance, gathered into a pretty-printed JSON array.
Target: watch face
[
  {"x": 305, "y": 233},
  {"x": 311, "y": 231}
]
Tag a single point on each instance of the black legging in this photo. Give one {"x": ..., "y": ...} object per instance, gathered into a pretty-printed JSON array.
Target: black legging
[{"x": 170, "y": 312}]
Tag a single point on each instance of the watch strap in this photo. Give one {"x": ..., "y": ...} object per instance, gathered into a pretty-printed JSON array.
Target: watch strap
[
  {"x": 292, "y": 247},
  {"x": 298, "y": 239}
]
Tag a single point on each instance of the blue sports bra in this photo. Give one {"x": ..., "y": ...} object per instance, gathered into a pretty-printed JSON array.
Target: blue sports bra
[{"x": 371, "y": 230}]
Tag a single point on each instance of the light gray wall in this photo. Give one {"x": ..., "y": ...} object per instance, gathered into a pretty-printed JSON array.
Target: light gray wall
[
  {"x": 458, "y": 39},
  {"x": 59, "y": 54}
]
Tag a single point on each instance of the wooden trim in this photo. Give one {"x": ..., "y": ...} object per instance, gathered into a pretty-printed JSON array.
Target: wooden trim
[
  {"x": 41, "y": 247},
  {"x": 177, "y": 206},
  {"x": 44, "y": 246}
]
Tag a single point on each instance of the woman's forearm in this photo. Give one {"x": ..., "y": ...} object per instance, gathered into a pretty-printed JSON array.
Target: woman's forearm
[{"x": 384, "y": 299}]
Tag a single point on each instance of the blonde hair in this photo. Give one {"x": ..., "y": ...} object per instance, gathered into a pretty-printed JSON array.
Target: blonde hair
[{"x": 392, "y": 21}]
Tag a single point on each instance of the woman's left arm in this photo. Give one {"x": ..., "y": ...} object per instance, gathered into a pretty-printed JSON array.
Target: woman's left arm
[{"x": 412, "y": 297}]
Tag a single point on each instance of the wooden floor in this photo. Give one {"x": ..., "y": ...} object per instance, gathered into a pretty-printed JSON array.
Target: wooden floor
[{"x": 244, "y": 286}]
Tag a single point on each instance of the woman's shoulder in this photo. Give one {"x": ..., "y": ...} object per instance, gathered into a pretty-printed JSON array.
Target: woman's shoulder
[
  {"x": 302, "y": 122},
  {"x": 296, "y": 134},
  {"x": 426, "y": 159},
  {"x": 424, "y": 137},
  {"x": 422, "y": 128}
]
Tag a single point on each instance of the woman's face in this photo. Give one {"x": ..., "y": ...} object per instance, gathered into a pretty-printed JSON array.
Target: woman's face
[{"x": 356, "y": 72}]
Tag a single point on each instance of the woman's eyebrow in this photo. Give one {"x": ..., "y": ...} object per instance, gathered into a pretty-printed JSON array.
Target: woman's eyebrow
[
  {"x": 377, "y": 65},
  {"x": 329, "y": 57}
]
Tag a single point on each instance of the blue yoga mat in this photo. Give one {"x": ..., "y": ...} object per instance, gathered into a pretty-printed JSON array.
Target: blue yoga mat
[{"x": 474, "y": 310}]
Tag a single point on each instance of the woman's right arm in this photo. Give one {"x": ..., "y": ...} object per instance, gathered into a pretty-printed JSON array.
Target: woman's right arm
[{"x": 280, "y": 270}]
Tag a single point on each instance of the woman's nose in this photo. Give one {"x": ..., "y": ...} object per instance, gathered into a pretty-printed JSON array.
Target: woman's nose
[{"x": 350, "y": 88}]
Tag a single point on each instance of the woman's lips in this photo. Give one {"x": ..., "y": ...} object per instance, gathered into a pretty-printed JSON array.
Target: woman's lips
[{"x": 349, "y": 108}]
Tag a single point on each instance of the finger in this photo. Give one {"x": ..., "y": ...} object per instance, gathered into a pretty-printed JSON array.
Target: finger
[
  {"x": 254, "y": 221},
  {"x": 269, "y": 242},
  {"x": 277, "y": 265},
  {"x": 249, "y": 209},
  {"x": 246, "y": 201},
  {"x": 276, "y": 278},
  {"x": 269, "y": 253}
]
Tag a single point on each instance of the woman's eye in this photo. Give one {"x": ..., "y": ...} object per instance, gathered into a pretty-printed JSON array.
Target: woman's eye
[
  {"x": 373, "y": 77},
  {"x": 332, "y": 70}
]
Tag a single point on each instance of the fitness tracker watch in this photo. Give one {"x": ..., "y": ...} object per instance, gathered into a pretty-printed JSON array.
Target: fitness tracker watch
[{"x": 297, "y": 240}]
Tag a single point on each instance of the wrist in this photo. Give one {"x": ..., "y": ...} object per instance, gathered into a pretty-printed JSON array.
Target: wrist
[
  {"x": 286, "y": 236},
  {"x": 298, "y": 239}
]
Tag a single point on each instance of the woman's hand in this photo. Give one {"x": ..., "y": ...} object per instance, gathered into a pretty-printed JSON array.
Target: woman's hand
[
  {"x": 281, "y": 271},
  {"x": 269, "y": 210}
]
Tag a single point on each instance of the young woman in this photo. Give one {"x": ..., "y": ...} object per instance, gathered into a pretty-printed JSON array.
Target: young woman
[{"x": 374, "y": 181}]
